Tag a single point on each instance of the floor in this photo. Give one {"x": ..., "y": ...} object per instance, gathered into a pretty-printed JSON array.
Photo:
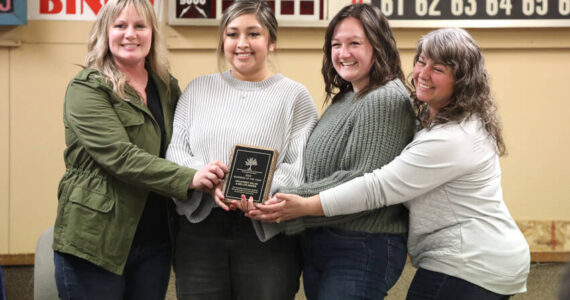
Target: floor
[{"x": 543, "y": 283}]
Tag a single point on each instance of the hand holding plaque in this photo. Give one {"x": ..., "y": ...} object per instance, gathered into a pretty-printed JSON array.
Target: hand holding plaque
[{"x": 251, "y": 172}]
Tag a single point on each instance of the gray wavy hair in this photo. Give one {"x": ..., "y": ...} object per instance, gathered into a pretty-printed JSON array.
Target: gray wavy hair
[{"x": 454, "y": 47}]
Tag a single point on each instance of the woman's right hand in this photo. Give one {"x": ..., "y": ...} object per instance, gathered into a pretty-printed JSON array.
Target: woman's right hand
[
  {"x": 219, "y": 198},
  {"x": 208, "y": 176},
  {"x": 284, "y": 207}
]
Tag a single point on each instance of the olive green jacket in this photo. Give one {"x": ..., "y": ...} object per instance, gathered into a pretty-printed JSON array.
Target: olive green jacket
[{"x": 111, "y": 164}]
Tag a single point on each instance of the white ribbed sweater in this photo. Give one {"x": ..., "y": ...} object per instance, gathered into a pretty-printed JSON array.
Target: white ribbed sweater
[
  {"x": 217, "y": 111},
  {"x": 450, "y": 179}
]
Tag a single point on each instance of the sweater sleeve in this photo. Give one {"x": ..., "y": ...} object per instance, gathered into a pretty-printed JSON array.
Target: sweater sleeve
[
  {"x": 180, "y": 152},
  {"x": 382, "y": 128},
  {"x": 290, "y": 170},
  {"x": 426, "y": 164},
  {"x": 90, "y": 115}
]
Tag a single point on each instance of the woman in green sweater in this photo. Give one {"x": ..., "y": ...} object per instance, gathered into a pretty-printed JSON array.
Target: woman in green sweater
[{"x": 367, "y": 124}]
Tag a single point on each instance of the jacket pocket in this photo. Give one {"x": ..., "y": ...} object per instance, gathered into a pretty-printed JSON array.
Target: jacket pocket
[
  {"x": 92, "y": 200},
  {"x": 128, "y": 115},
  {"x": 90, "y": 214},
  {"x": 131, "y": 118}
]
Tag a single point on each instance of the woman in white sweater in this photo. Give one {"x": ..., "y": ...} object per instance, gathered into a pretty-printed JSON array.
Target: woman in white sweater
[
  {"x": 462, "y": 238},
  {"x": 221, "y": 254}
]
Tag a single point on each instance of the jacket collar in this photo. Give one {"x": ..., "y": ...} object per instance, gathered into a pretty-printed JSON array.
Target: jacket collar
[{"x": 133, "y": 98}]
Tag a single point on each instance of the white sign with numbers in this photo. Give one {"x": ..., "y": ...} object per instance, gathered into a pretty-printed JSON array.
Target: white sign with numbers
[{"x": 401, "y": 13}]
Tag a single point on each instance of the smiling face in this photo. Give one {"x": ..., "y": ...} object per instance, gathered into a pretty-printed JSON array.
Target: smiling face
[
  {"x": 130, "y": 38},
  {"x": 246, "y": 45},
  {"x": 434, "y": 83},
  {"x": 351, "y": 53}
]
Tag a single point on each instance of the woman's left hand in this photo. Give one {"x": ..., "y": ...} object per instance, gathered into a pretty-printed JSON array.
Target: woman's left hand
[
  {"x": 245, "y": 204},
  {"x": 283, "y": 207}
]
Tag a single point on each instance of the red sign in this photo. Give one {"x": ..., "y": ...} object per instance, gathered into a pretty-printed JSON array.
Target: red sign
[
  {"x": 56, "y": 6},
  {"x": 68, "y": 9}
]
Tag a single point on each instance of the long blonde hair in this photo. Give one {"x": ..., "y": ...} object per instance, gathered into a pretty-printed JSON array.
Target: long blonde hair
[{"x": 99, "y": 56}]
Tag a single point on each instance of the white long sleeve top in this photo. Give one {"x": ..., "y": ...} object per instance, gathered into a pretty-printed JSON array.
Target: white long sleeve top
[
  {"x": 217, "y": 111},
  {"x": 450, "y": 179}
]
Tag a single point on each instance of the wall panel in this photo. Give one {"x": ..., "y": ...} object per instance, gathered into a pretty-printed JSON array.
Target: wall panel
[
  {"x": 528, "y": 71},
  {"x": 531, "y": 88},
  {"x": 39, "y": 79},
  {"x": 4, "y": 149}
]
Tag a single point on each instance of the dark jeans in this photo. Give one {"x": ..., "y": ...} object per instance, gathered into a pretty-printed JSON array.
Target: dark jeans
[
  {"x": 145, "y": 276},
  {"x": 222, "y": 258},
  {"x": 340, "y": 264},
  {"x": 429, "y": 285}
]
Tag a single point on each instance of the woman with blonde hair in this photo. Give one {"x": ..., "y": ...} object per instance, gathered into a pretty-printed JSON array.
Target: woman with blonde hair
[
  {"x": 462, "y": 237},
  {"x": 111, "y": 235}
]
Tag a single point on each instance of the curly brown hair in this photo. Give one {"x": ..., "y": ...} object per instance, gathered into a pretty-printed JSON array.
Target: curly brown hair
[
  {"x": 386, "y": 64},
  {"x": 454, "y": 47}
]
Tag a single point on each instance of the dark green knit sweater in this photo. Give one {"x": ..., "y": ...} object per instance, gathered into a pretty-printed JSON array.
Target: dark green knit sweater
[{"x": 353, "y": 137}]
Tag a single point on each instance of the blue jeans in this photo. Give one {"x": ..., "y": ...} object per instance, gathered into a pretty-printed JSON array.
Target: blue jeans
[
  {"x": 221, "y": 258},
  {"x": 2, "y": 291},
  {"x": 429, "y": 285},
  {"x": 146, "y": 276},
  {"x": 340, "y": 264}
]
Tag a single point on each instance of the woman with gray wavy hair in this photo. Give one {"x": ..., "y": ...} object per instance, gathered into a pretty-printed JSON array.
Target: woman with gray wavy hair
[{"x": 462, "y": 237}]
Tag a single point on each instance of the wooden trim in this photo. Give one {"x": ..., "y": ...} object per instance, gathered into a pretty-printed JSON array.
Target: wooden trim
[
  {"x": 538, "y": 257},
  {"x": 24, "y": 259},
  {"x": 10, "y": 36},
  {"x": 27, "y": 259}
]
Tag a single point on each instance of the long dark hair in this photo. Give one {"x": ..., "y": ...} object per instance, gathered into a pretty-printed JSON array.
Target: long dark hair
[
  {"x": 386, "y": 64},
  {"x": 262, "y": 12}
]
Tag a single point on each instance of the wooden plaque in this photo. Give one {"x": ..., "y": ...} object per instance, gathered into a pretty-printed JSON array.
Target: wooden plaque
[{"x": 251, "y": 172}]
